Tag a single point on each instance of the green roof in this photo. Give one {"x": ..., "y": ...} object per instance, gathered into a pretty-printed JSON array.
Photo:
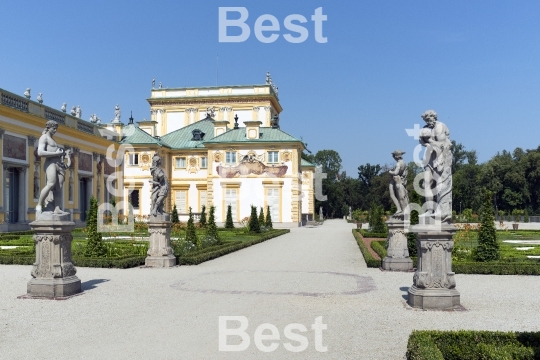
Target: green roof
[
  {"x": 306, "y": 163},
  {"x": 132, "y": 134},
  {"x": 181, "y": 138},
  {"x": 266, "y": 134}
]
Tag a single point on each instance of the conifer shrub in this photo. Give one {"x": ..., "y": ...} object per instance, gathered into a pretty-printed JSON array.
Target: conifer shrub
[
  {"x": 94, "y": 246},
  {"x": 202, "y": 220},
  {"x": 488, "y": 247},
  {"x": 268, "y": 220},
  {"x": 229, "y": 224},
  {"x": 174, "y": 215},
  {"x": 253, "y": 225},
  {"x": 211, "y": 228},
  {"x": 191, "y": 235},
  {"x": 261, "y": 217}
]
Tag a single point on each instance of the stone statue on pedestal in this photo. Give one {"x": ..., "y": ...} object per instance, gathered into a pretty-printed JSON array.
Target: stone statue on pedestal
[
  {"x": 437, "y": 162},
  {"x": 73, "y": 111},
  {"x": 27, "y": 93},
  {"x": 64, "y": 107},
  {"x": 398, "y": 192},
  {"x": 160, "y": 186},
  {"x": 78, "y": 112},
  {"x": 116, "y": 114}
]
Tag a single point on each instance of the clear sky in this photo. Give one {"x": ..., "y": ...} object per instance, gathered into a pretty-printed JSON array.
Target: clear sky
[{"x": 385, "y": 62}]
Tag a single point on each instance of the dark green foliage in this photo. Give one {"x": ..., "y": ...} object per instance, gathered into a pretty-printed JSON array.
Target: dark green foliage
[
  {"x": 211, "y": 228},
  {"x": 174, "y": 215},
  {"x": 202, "y": 220},
  {"x": 268, "y": 220},
  {"x": 369, "y": 234},
  {"x": 261, "y": 217},
  {"x": 191, "y": 235},
  {"x": 226, "y": 248},
  {"x": 497, "y": 268},
  {"x": 525, "y": 216},
  {"x": 378, "y": 247},
  {"x": 253, "y": 225},
  {"x": 488, "y": 247},
  {"x": 229, "y": 221},
  {"x": 471, "y": 345},
  {"x": 94, "y": 246},
  {"x": 370, "y": 260},
  {"x": 411, "y": 237},
  {"x": 376, "y": 224}
]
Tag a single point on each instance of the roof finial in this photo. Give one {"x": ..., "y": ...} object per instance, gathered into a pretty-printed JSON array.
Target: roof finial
[{"x": 131, "y": 118}]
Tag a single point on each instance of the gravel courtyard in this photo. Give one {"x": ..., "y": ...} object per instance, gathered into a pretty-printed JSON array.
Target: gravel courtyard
[{"x": 144, "y": 313}]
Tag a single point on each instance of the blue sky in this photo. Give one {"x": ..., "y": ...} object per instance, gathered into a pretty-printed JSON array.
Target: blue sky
[{"x": 385, "y": 62}]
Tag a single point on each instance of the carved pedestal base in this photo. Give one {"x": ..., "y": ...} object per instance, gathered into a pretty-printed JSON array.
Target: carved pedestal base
[
  {"x": 433, "y": 282},
  {"x": 160, "y": 253},
  {"x": 53, "y": 273},
  {"x": 397, "y": 256}
]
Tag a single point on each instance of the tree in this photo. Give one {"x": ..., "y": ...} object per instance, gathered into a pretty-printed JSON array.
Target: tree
[
  {"x": 261, "y": 217},
  {"x": 229, "y": 221},
  {"x": 174, "y": 215},
  {"x": 211, "y": 229},
  {"x": 488, "y": 247},
  {"x": 367, "y": 172},
  {"x": 191, "y": 234},
  {"x": 94, "y": 245},
  {"x": 202, "y": 220},
  {"x": 253, "y": 225},
  {"x": 268, "y": 221}
]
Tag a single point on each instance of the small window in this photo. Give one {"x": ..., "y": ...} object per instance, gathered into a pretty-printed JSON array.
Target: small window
[
  {"x": 204, "y": 162},
  {"x": 133, "y": 159},
  {"x": 272, "y": 156},
  {"x": 134, "y": 199},
  {"x": 230, "y": 157},
  {"x": 180, "y": 162}
]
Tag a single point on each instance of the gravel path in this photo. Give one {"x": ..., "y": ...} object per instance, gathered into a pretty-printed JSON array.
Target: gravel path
[{"x": 173, "y": 313}]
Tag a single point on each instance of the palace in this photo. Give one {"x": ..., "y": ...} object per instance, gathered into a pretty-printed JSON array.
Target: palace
[{"x": 220, "y": 146}]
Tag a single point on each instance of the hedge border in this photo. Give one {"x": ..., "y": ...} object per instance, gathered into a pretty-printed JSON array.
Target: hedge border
[
  {"x": 199, "y": 257},
  {"x": 371, "y": 262},
  {"x": 378, "y": 247},
  {"x": 370, "y": 234},
  {"x": 471, "y": 344}
]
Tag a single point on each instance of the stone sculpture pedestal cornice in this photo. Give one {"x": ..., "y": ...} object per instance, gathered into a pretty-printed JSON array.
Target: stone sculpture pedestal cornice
[
  {"x": 160, "y": 253},
  {"x": 53, "y": 272},
  {"x": 434, "y": 285}
]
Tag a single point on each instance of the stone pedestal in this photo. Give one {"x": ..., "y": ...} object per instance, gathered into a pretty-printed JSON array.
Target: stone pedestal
[
  {"x": 160, "y": 253},
  {"x": 397, "y": 256},
  {"x": 433, "y": 282},
  {"x": 53, "y": 273}
]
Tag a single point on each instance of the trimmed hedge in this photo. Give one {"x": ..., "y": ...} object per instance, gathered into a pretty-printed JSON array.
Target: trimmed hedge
[
  {"x": 370, "y": 260},
  {"x": 496, "y": 268},
  {"x": 213, "y": 252},
  {"x": 469, "y": 345},
  {"x": 378, "y": 247},
  {"x": 369, "y": 234},
  {"x": 117, "y": 262}
]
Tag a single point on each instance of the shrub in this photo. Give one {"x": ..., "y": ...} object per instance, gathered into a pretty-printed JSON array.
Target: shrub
[
  {"x": 268, "y": 220},
  {"x": 229, "y": 222},
  {"x": 378, "y": 247},
  {"x": 191, "y": 235},
  {"x": 94, "y": 245},
  {"x": 202, "y": 220},
  {"x": 370, "y": 260},
  {"x": 488, "y": 247},
  {"x": 211, "y": 229},
  {"x": 525, "y": 216},
  {"x": 261, "y": 217},
  {"x": 253, "y": 225},
  {"x": 467, "y": 215},
  {"x": 174, "y": 215}
]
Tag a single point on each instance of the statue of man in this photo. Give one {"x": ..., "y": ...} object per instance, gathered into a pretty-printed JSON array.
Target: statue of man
[
  {"x": 73, "y": 111},
  {"x": 160, "y": 186},
  {"x": 55, "y": 170},
  {"x": 437, "y": 163},
  {"x": 117, "y": 113},
  {"x": 78, "y": 112},
  {"x": 398, "y": 192}
]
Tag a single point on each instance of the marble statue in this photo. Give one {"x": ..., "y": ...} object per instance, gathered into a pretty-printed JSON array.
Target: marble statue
[
  {"x": 78, "y": 111},
  {"x": 64, "y": 107},
  {"x": 93, "y": 118},
  {"x": 116, "y": 114},
  {"x": 73, "y": 111},
  {"x": 27, "y": 93},
  {"x": 160, "y": 186},
  {"x": 210, "y": 112},
  {"x": 437, "y": 163},
  {"x": 153, "y": 83},
  {"x": 160, "y": 85},
  {"x": 55, "y": 170},
  {"x": 398, "y": 192},
  {"x": 40, "y": 98}
]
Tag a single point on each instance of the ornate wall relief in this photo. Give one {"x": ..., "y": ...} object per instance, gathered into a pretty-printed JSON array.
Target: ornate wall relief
[{"x": 14, "y": 147}]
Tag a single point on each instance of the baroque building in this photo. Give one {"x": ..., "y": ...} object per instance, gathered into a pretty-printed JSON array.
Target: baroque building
[{"x": 220, "y": 146}]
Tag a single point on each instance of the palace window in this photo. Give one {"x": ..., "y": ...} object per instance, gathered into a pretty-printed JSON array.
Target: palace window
[
  {"x": 204, "y": 162},
  {"x": 181, "y": 201},
  {"x": 231, "y": 198},
  {"x": 272, "y": 156},
  {"x": 230, "y": 157},
  {"x": 133, "y": 159},
  {"x": 180, "y": 162}
]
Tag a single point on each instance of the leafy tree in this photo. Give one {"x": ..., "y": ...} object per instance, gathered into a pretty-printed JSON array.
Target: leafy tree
[
  {"x": 211, "y": 228},
  {"x": 261, "y": 217},
  {"x": 378, "y": 223},
  {"x": 253, "y": 225},
  {"x": 488, "y": 247},
  {"x": 174, "y": 215},
  {"x": 94, "y": 246},
  {"x": 367, "y": 172},
  {"x": 268, "y": 221},
  {"x": 202, "y": 220},
  {"x": 229, "y": 221},
  {"x": 525, "y": 216},
  {"x": 191, "y": 234}
]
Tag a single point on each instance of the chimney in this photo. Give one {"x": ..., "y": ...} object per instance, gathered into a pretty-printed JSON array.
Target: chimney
[
  {"x": 252, "y": 129},
  {"x": 220, "y": 126}
]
